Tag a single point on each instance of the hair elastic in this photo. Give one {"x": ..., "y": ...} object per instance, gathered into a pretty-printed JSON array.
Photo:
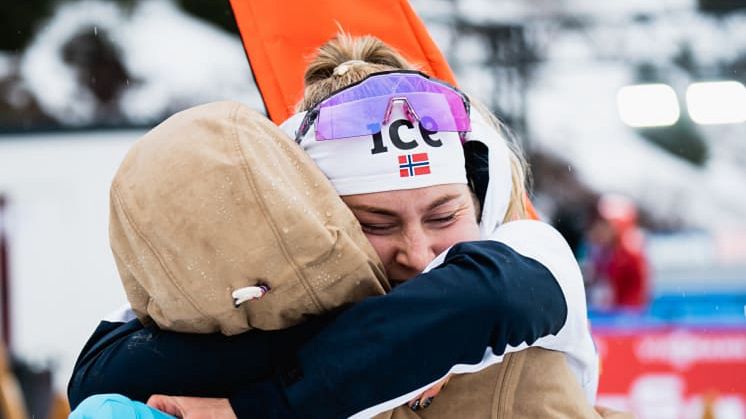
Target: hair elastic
[{"x": 345, "y": 66}]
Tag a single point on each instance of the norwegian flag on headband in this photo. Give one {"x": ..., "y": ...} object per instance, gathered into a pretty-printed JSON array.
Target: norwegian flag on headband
[{"x": 414, "y": 165}]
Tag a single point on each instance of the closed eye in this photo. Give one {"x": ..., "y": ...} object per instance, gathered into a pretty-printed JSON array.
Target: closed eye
[
  {"x": 378, "y": 229},
  {"x": 443, "y": 219}
]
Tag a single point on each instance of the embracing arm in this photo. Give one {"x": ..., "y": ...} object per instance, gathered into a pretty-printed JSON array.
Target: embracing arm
[
  {"x": 385, "y": 350},
  {"x": 521, "y": 288},
  {"x": 138, "y": 361},
  {"x": 377, "y": 353}
]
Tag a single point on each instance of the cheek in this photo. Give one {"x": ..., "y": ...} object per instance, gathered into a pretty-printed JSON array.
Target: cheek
[
  {"x": 383, "y": 246},
  {"x": 463, "y": 231}
]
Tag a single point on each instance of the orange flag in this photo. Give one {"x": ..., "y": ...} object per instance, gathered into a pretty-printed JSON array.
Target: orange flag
[{"x": 281, "y": 36}]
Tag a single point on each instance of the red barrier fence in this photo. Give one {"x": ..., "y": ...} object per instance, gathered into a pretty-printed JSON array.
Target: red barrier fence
[{"x": 674, "y": 373}]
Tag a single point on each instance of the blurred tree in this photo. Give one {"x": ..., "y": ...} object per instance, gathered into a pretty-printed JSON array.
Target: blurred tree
[
  {"x": 680, "y": 139},
  {"x": 686, "y": 60},
  {"x": 511, "y": 56},
  {"x": 18, "y": 20},
  {"x": 218, "y": 12},
  {"x": 91, "y": 52},
  {"x": 98, "y": 62},
  {"x": 721, "y": 6},
  {"x": 19, "y": 109},
  {"x": 647, "y": 72},
  {"x": 737, "y": 69}
]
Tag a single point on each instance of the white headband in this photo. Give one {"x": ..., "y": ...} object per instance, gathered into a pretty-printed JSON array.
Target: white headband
[
  {"x": 497, "y": 198},
  {"x": 401, "y": 157}
]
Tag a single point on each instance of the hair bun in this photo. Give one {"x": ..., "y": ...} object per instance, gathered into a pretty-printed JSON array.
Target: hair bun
[{"x": 344, "y": 60}]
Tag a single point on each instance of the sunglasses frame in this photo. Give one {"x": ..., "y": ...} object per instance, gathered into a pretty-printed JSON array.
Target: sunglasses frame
[{"x": 312, "y": 115}]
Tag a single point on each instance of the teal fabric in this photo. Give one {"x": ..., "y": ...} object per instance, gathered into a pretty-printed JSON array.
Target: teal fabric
[{"x": 115, "y": 406}]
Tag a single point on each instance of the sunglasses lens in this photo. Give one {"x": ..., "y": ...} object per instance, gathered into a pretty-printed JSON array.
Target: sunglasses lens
[
  {"x": 353, "y": 119},
  {"x": 442, "y": 111}
]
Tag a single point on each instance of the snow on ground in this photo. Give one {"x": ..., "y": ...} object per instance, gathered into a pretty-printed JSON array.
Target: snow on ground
[
  {"x": 175, "y": 60},
  {"x": 63, "y": 277}
]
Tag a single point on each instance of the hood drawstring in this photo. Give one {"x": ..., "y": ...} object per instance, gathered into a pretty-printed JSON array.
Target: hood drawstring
[{"x": 242, "y": 295}]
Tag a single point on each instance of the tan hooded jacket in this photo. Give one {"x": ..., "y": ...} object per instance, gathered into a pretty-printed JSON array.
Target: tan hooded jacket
[
  {"x": 533, "y": 383},
  {"x": 218, "y": 198}
]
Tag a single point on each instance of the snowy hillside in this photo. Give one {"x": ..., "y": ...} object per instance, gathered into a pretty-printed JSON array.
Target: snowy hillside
[
  {"x": 573, "y": 114},
  {"x": 589, "y": 50},
  {"x": 174, "y": 61}
]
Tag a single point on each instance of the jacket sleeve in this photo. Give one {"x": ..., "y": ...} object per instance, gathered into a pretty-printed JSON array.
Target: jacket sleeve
[
  {"x": 544, "y": 244},
  {"x": 485, "y": 298},
  {"x": 138, "y": 361},
  {"x": 459, "y": 317}
]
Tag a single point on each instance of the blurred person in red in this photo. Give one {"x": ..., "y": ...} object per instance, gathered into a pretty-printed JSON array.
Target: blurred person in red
[{"x": 617, "y": 269}]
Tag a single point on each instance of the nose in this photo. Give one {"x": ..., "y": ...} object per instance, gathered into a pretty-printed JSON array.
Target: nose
[{"x": 416, "y": 251}]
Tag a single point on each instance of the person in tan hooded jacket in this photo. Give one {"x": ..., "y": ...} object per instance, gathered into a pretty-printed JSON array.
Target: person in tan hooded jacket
[
  {"x": 236, "y": 207},
  {"x": 202, "y": 213}
]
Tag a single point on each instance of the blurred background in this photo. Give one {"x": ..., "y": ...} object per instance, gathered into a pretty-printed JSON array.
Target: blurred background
[{"x": 632, "y": 115}]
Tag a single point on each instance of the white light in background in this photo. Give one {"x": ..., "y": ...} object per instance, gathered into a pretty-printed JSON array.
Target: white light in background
[
  {"x": 721, "y": 102},
  {"x": 648, "y": 105}
]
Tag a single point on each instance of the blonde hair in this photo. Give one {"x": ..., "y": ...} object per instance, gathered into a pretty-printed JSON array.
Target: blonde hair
[
  {"x": 345, "y": 60},
  {"x": 360, "y": 56}
]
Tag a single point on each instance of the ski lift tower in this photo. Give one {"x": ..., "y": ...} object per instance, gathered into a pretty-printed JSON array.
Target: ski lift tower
[{"x": 510, "y": 57}]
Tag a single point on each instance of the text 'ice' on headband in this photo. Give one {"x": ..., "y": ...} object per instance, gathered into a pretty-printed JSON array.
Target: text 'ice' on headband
[{"x": 400, "y": 156}]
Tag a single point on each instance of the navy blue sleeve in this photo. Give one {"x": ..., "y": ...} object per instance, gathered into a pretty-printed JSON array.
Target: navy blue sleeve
[
  {"x": 484, "y": 295},
  {"x": 138, "y": 361}
]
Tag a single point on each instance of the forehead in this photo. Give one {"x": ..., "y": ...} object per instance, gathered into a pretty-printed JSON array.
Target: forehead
[{"x": 419, "y": 200}]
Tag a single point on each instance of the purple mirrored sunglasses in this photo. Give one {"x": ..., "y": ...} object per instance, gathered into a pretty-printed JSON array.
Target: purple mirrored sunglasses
[{"x": 362, "y": 108}]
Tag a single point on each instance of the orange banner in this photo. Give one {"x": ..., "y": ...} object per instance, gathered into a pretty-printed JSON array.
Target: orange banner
[{"x": 280, "y": 38}]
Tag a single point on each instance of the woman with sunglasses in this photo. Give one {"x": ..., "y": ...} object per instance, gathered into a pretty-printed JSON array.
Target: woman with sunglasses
[{"x": 404, "y": 180}]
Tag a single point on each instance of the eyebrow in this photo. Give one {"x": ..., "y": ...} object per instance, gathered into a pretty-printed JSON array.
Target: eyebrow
[
  {"x": 382, "y": 211},
  {"x": 373, "y": 210},
  {"x": 441, "y": 201}
]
